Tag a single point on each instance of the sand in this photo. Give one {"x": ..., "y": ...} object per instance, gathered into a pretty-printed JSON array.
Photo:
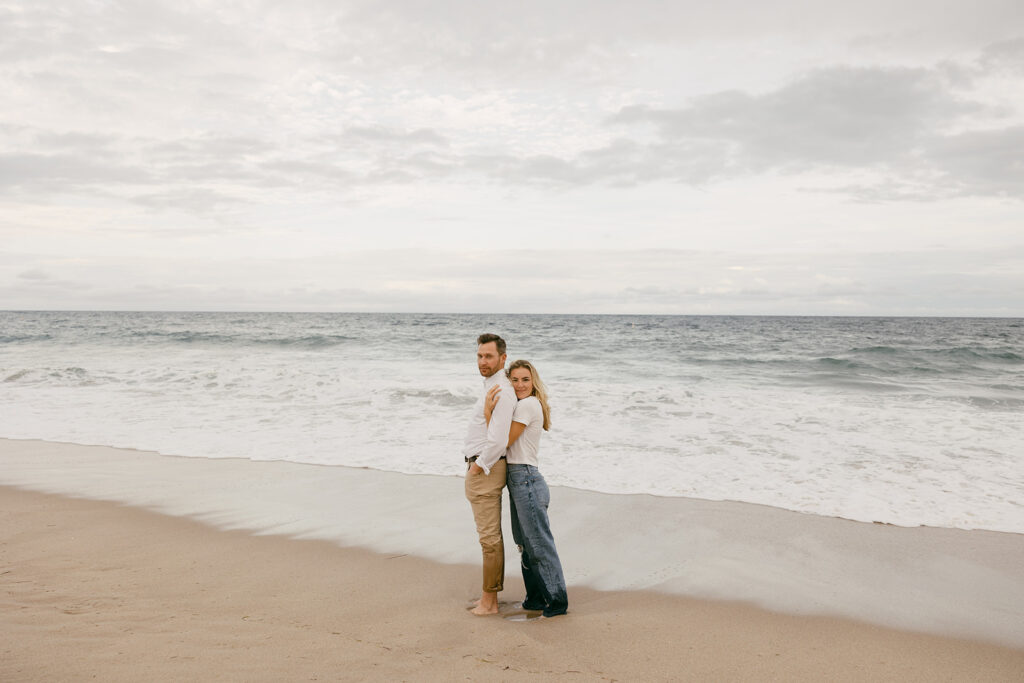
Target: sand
[
  {"x": 98, "y": 590},
  {"x": 93, "y": 589}
]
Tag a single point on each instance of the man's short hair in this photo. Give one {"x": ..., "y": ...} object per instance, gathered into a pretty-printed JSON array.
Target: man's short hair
[{"x": 498, "y": 342}]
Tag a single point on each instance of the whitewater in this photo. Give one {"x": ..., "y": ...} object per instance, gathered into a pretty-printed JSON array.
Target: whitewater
[{"x": 908, "y": 421}]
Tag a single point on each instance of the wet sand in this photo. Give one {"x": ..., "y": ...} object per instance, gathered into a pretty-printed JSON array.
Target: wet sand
[
  {"x": 96, "y": 589},
  {"x": 192, "y": 569}
]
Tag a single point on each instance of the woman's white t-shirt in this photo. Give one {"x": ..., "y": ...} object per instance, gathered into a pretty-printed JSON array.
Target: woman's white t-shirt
[{"x": 524, "y": 450}]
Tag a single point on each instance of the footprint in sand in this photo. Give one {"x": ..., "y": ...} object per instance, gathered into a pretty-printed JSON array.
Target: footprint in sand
[
  {"x": 523, "y": 616},
  {"x": 517, "y": 613}
]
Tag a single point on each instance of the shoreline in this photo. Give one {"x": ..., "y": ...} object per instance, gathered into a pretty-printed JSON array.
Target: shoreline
[
  {"x": 127, "y": 594},
  {"x": 584, "y": 491},
  {"x": 925, "y": 579}
]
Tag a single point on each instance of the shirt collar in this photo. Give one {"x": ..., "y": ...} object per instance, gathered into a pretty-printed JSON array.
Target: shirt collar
[{"x": 493, "y": 379}]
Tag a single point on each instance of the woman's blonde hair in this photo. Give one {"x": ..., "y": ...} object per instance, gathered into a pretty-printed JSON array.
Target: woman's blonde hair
[{"x": 539, "y": 390}]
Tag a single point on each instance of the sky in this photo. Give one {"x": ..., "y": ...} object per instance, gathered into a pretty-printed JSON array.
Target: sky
[{"x": 783, "y": 157}]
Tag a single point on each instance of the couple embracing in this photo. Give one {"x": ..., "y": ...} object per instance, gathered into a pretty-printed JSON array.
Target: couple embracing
[{"x": 501, "y": 448}]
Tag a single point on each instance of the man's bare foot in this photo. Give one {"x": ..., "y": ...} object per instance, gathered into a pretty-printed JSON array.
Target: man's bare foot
[
  {"x": 482, "y": 611},
  {"x": 487, "y": 604}
]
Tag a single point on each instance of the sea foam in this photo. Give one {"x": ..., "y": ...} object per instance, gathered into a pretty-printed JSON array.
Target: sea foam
[{"x": 904, "y": 421}]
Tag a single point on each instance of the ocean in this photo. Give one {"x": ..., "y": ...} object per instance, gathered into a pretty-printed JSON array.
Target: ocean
[{"x": 907, "y": 421}]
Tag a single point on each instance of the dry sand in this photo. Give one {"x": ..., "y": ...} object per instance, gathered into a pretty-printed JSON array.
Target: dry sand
[{"x": 94, "y": 590}]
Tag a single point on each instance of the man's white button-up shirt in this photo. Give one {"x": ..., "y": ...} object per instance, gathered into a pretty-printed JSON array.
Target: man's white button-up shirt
[{"x": 489, "y": 441}]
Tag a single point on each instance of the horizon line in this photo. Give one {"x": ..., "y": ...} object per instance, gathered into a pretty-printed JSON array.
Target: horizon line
[{"x": 663, "y": 315}]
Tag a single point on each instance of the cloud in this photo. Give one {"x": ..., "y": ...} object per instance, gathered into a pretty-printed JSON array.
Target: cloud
[
  {"x": 986, "y": 162},
  {"x": 891, "y": 120},
  {"x": 379, "y": 134},
  {"x": 225, "y": 102},
  {"x": 183, "y": 149},
  {"x": 65, "y": 172},
  {"x": 198, "y": 200},
  {"x": 209, "y": 170},
  {"x": 1005, "y": 55},
  {"x": 983, "y": 282},
  {"x": 587, "y": 39},
  {"x": 971, "y": 164},
  {"x": 837, "y": 116}
]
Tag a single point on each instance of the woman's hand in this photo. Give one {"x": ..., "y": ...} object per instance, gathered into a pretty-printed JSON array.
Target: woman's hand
[{"x": 490, "y": 401}]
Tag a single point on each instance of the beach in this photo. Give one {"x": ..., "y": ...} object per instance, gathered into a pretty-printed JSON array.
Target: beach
[
  {"x": 124, "y": 565},
  {"x": 764, "y": 263}
]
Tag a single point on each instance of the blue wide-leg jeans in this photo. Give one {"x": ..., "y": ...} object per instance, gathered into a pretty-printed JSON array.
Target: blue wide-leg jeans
[{"x": 542, "y": 570}]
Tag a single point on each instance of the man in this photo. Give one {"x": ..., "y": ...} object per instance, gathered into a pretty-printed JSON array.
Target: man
[{"x": 485, "y": 475}]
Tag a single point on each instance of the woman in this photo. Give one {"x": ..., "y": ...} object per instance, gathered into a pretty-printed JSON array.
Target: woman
[{"x": 528, "y": 492}]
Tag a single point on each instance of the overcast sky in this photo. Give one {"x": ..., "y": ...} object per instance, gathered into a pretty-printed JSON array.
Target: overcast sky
[{"x": 736, "y": 157}]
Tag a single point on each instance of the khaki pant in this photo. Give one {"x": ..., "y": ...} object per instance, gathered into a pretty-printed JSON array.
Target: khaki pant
[{"x": 483, "y": 491}]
